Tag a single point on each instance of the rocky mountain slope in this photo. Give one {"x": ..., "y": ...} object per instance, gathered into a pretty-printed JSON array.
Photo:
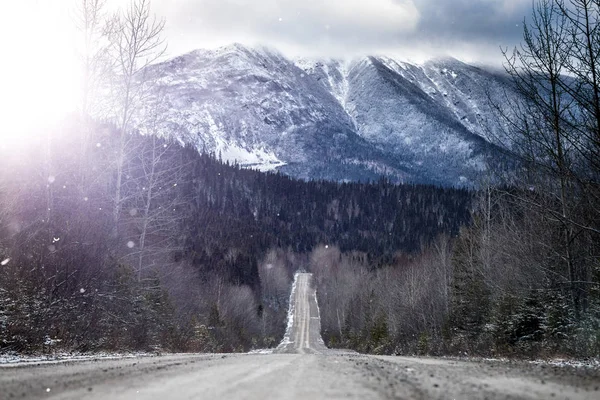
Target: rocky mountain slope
[{"x": 328, "y": 119}]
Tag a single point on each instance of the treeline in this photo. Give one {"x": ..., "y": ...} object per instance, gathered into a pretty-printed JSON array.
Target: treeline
[
  {"x": 185, "y": 259},
  {"x": 275, "y": 210},
  {"x": 503, "y": 287},
  {"x": 75, "y": 275}
]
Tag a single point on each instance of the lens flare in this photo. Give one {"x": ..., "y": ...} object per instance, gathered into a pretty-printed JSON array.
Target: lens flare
[{"x": 39, "y": 71}]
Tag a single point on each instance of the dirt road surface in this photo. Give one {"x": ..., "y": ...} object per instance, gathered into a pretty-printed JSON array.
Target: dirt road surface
[{"x": 300, "y": 368}]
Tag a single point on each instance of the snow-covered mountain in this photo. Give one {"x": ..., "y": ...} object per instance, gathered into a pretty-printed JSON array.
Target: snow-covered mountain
[{"x": 339, "y": 120}]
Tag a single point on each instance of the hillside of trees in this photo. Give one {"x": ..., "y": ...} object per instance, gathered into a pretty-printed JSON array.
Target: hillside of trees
[
  {"x": 195, "y": 255},
  {"x": 501, "y": 288}
]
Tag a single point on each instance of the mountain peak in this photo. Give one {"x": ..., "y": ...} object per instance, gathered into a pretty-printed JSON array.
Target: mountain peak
[{"x": 332, "y": 118}]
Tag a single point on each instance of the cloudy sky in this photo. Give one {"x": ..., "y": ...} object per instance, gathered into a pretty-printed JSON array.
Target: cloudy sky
[
  {"x": 39, "y": 40},
  {"x": 469, "y": 29}
]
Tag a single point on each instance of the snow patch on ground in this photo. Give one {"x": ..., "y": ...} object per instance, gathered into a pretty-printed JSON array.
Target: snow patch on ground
[
  {"x": 15, "y": 360},
  {"x": 558, "y": 362},
  {"x": 259, "y": 159},
  {"x": 339, "y": 87},
  {"x": 261, "y": 351},
  {"x": 593, "y": 363}
]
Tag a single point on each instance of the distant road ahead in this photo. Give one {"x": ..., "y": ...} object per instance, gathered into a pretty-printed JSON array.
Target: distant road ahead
[
  {"x": 303, "y": 335},
  {"x": 300, "y": 368}
]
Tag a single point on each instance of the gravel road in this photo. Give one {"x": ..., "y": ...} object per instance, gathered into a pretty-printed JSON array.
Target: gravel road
[{"x": 300, "y": 368}]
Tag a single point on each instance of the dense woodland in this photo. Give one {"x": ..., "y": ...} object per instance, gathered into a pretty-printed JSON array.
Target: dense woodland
[
  {"x": 202, "y": 253},
  {"x": 114, "y": 240},
  {"x": 501, "y": 288}
]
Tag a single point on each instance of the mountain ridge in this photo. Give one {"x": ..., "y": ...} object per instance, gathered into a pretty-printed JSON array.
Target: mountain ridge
[{"x": 342, "y": 120}]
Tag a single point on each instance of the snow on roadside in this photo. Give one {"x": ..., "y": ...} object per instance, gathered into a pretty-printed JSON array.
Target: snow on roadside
[
  {"x": 261, "y": 351},
  {"x": 15, "y": 360},
  {"x": 558, "y": 362},
  {"x": 290, "y": 318},
  {"x": 320, "y": 339},
  {"x": 593, "y": 363}
]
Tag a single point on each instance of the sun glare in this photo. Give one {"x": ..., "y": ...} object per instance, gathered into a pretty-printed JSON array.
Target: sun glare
[{"x": 38, "y": 75}]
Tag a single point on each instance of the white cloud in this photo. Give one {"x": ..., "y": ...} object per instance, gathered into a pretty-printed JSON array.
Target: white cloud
[
  {"x": 476, "y": 28},
  {"x": 323, "y": 26}
]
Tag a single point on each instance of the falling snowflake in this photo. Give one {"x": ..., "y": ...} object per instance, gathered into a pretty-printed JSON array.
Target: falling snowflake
[
  {"x": 98, "y": 144},
  {"x": 85, "y": 199},
  {"x": 130, "y": 244},
  {"x": 5, "y": 261},
  {"x": 55, "y": 239},
  {"x": 133, "y": 212},
  {"x": 51, "y": 179},
  {"x": 52, "y": 248},
  {"x": 82, "y": 290}
]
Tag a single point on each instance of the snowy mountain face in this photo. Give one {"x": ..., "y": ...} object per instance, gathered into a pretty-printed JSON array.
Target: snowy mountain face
[{"x": 337, "y": 120}]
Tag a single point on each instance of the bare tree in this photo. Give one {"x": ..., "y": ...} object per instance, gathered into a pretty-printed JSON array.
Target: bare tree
[
  {"x": 92, "y": 24},
  {"x": 442, "y": 250},
  {"x": 545, "y": 128},
  {"x": 274, "y": 279},
  {"x": 158, "y": 207},
  {"x": 583, "y": 63},
  {"x": 136, "y": 41}
]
